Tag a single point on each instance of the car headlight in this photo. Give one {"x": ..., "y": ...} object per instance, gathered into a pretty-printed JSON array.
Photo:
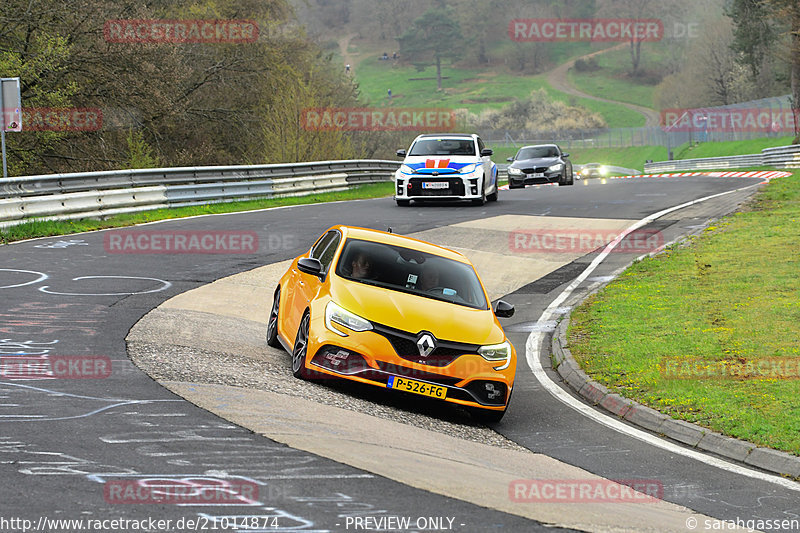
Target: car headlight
[
  {"x": 514, "y": 171},
  {"x": 558, "y": 167},
  {"x": 336, "y": 315},
  {"x": 603, "y": 170},
  {"x": 405, "y": 169},
  {"x": 468, "y": 169},
  {"x": 497, "y": 353}
]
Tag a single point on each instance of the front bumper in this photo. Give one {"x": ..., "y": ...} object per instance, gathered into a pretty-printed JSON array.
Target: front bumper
[
  {"x": 530, "y": 179},
  {"x": 371, "y": 357},
  {"x": 449, "y": 187}
]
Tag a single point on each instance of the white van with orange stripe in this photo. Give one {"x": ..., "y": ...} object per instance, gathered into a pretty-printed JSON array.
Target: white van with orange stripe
[{"x": 447, "y": 166}]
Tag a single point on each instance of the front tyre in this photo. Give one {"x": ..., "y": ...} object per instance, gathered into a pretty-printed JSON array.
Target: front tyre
[
  {"x": 493, "y": 197},
  {"x": 482, "y": 199},
  {"x": 272, "y": 324},
  {"x": 301, "y": 348}
]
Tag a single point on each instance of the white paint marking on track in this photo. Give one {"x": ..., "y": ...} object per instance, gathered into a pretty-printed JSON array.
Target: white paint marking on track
[
  {"x": 42, "y": 277},
  {"x": 532, "y": 355},
  {"x": 165, "y": 285}
]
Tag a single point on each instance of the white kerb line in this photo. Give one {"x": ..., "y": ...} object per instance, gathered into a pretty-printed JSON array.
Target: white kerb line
[{"x": 532, "y": 355}]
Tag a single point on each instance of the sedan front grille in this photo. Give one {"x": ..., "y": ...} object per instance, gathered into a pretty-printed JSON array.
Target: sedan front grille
[{"x": 534, "y": 170}]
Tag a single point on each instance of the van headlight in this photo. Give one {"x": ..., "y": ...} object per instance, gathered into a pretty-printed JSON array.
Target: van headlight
[{"x": 468, "y": 169}]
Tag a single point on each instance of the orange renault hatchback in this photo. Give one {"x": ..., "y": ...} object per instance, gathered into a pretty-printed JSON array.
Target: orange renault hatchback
[{"x": 395, "y": 312}]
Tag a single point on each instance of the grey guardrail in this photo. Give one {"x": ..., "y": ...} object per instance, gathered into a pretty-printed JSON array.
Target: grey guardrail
[
  {"x": 780, "y": 157},
  {"x": 93, "y": 194}
]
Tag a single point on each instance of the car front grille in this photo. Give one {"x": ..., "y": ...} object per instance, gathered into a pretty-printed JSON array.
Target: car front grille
[
  {"x": 455, "y": 187},
  {"x": 405, "y": 345},
  {"x": 532, "y": 170}
]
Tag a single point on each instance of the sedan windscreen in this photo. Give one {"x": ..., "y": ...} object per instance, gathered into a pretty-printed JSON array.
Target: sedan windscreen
[
  {"x": 536, "y": 152},
  {"x": 411, "y": 271}
]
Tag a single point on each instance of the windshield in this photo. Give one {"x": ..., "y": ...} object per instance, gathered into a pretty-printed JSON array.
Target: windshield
[
  {"x": 443, "y": 147},
  {"x": 534, "y": 152},
  {"x": 411, "y": 271}
]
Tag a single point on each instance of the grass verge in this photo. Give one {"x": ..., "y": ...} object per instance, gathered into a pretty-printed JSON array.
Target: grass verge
[
  {"x": 709, "y": 331},
  {"x": 719, "y": 149},
  {"x": 47, "y": 228}
]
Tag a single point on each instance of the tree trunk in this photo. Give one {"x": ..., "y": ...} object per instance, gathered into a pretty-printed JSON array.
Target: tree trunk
[
  {"x": 438, "y": 73},
  {"x": 636, "y": 54}
]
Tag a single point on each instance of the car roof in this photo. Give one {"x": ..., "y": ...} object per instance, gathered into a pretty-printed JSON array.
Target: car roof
[
  {"x": 537, "y": 145},
  {"x": 447, "y": 135},
  {"x": 384, "y": 237}
]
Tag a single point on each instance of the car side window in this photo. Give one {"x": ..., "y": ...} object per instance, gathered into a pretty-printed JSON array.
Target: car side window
[
  {"x": 481, "y": 146},
  {"x": 325, "y": 249}
]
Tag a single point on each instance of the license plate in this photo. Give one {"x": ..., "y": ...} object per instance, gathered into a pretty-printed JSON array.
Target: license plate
[
  {"x": 435, "y": 185},
  {"x": 417, "y": 387},
  {"x": 537, "y": 175}
]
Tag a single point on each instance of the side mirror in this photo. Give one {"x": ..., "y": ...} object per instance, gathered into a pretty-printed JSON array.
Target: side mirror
[
  {"x": 503, "y": 309},
  {"x": 564, "y": 155},
  {"x": 486, "y": 151},
  {"x": 309, "y": 265},
  {"x": 401, "y": 153},
  {"x": 510, "y": 159}
]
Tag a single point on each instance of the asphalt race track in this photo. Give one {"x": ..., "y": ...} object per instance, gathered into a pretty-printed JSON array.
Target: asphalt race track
[{"x": 107, "y": 441}]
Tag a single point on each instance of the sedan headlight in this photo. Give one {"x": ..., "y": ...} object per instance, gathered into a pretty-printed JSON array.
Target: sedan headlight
[
  {"x": 497, "y": 353},
  {"x": 514, "y": 171},
  {"x": 336, "y": 315},
  {"x": 558, "y": 167}
]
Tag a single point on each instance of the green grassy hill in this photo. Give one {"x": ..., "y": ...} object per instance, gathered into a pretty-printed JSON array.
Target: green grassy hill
[{"x": 473, "y": 89}]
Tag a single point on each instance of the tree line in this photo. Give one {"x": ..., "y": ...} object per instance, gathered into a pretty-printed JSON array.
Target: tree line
[{"x": 167, "y": 103}]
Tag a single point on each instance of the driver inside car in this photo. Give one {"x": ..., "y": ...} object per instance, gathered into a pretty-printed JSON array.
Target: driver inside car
[{"x": 429, "y": 278}]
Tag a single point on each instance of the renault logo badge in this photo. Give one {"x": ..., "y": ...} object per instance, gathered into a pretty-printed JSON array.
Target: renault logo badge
[{"x": 426, "y": 344}]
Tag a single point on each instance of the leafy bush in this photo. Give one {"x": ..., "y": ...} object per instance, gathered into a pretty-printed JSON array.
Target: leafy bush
[{"x": 537, "y": 113}]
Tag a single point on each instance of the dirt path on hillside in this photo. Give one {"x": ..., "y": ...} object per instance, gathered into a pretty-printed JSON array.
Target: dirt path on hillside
[
  {"x": 344, "y": 49},
  {"x": 557, "y": 78}
]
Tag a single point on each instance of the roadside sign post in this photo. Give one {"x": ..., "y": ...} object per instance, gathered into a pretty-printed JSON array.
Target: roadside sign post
[{"x": 10, "y": 111}]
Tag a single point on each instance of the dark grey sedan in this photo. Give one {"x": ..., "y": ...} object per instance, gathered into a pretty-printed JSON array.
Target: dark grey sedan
[{"x": 537, "y": 164}]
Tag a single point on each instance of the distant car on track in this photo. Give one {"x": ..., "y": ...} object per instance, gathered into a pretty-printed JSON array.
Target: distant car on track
[
  {"x": 398, "y": 313},
  {"x": 447, "y": 166},
  {"x": 593, "y": 170},
  {"x": 538, "y": 164}
]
